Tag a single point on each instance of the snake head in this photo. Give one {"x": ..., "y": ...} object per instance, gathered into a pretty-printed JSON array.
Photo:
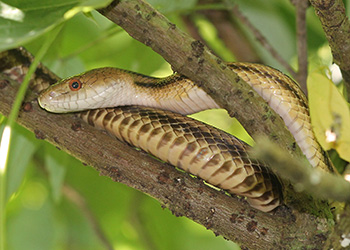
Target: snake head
[{"x": 89, "y": 90}]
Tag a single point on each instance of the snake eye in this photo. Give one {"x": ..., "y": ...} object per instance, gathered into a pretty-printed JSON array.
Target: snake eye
[{"x": 74, "y": 84}]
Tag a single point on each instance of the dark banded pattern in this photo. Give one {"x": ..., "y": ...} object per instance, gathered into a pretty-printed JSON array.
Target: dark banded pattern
[
  {"x": 285, "y": 97},
  {"x": 152, "y": 82},
  {"x": 216, "y": 157},
  {"x": 213, "y": 155}
]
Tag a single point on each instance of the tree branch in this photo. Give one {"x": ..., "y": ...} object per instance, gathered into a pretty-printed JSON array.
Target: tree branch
[
  {"x": 301, "y": 8},
  {"x": 230, "y": 217},
  {"x": 336, "y": 26},
  {"x": 193, "y": 60},
  {"x": 260, "y": 37},
  {"x": 230, "y": 32},
  {"x": 76, "y": 198},
  {"x": 318, "y": 183},
  {"x": 340, "y": 237}
]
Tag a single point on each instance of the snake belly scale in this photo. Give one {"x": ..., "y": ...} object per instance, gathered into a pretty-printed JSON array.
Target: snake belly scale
[
  {"x": 213, "y": 155},
  {"x": 202, "y": 150}
]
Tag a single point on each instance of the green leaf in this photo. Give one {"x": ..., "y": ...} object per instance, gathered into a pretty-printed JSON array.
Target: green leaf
[
  {"x": 32, "y": 226},
  {"x": 24, "y": 20},
  {"x": 166, "y": 6},
  {"x": 55, "y": 163},
  {"x": 220, "y": 119},
  {"x": 330, "y": 115},
  {"x": 22, "y": 148}
]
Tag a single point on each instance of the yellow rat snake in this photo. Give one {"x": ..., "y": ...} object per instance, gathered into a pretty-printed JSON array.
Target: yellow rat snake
[{"x": 139, "y": 109}]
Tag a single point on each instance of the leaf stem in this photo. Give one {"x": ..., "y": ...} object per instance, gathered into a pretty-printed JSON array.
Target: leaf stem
[{"x": 6, "y": 134}]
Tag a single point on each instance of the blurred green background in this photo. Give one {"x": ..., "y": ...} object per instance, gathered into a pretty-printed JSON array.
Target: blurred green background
[{"x": 48, "y": 190}]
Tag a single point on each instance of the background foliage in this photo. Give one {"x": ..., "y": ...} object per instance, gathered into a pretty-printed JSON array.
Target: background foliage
[{"x": 45, "y": 186}]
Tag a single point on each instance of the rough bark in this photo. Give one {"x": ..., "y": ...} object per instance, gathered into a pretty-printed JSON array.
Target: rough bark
[
  {"x": 336, "y": 26},
  {"x": 340, "y": 237},
  {"x": 192, "y": 59},
  {"x": 229, "y": 217},
  {"x": 184, "y": 195}
]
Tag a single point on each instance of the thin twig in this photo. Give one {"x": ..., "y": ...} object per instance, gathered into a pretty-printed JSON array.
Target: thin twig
[
  {"x": 318, "y": 183},
  {"x": 193, "y": 30},
  {"x": 260, "y": 37},
  {"x": 75, "y": 197},
  {"x": 301, "y": 8},
  {"x": 138, "y": 223},
  {"x": 231, "y": 33}
]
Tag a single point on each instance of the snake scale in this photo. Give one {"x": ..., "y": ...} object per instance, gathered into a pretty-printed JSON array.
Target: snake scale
[{"x": 148, "y": 113}]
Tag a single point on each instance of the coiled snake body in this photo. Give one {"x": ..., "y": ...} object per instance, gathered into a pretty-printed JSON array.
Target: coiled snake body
[{"x": 213, "y": 155}]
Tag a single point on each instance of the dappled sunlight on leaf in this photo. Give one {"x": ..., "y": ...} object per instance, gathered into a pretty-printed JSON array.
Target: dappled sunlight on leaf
[
  {"x": 166, "y": 6},
  {"x": 34, "y": 195},
  {"x": 220, "y": 119},
  {"x": 55, "y": 163},
  {"x": 21, "y": 153},
  {"x": 11, "y": 13},
  {"x": 22, "y": 21},
  {"x": 330, "y": 115}
]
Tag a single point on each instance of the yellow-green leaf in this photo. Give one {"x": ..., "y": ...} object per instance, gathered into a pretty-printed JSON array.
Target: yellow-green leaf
[{"x": 330, "y": 115}]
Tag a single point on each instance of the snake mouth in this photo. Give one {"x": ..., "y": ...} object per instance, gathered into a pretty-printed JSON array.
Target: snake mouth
[
  {"x": 49, "y": 102},
  {"x": 44, "y": 100},
  {"x": 63, "y": 102}
]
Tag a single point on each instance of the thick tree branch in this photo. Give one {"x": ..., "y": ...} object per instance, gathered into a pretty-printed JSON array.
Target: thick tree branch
[
  {"x": 336, "y": 26},
  {"x": 340, "y": 237},
  {"x": 229, "y": 217},
  {"x": 320, "y": 184},
  {"x": 232, "y": 217},
  {"x": 192, "y": 59}
]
